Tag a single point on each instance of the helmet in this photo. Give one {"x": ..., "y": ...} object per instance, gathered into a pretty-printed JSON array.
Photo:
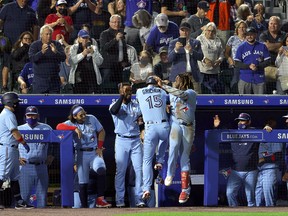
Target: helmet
[
  {"x": 151, "y": 80},
  {"x": 10, "y": 99},
  {"x": 243, "y": 117},
  {"x": 31, "y": 110}
]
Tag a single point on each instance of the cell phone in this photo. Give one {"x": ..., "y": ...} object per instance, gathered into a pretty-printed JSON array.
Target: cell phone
[{"x": 182, "y": 40}]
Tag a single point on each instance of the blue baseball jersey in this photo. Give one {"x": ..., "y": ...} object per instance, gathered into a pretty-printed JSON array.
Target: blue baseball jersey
[
  {"x": 8, "y": 123},
  {"x": 184, "y": 110},
  {"x": 89, "y": 129},
  {"x": 38, "y": 151},
  {"x": 125, "y": 121},
  {"x": 27, "y": 74},
  {"x": 156, "y": 39},
  {"x": 152, "y": 101},
  {"x": 252, "y": 54}
]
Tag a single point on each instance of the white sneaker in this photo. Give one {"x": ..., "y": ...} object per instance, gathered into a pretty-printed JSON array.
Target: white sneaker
[{"x": 168, "y": 180}]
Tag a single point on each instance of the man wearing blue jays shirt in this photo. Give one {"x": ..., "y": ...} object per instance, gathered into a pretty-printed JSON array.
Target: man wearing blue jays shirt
[{"x": 33, "y": 169}]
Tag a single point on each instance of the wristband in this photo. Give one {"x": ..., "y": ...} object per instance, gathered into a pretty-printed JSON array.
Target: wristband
[
  {"x": 20, "y": 140},
  {"x": 100, "y": 144}
]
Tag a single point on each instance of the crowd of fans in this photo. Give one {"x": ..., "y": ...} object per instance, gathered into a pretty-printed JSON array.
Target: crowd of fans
[{"x": 102, "y": 37}]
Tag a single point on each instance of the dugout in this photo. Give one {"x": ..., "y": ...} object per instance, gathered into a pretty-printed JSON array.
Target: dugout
[{"x": 55, "y": 108}]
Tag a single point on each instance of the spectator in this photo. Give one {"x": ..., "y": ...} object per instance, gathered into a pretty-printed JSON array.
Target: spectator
[
  {"x": 46, "y": 55},
  {"x": 114, "y": 51},
  {"x": 234, "y": 11},
  {"x": 231, "y": 48},
  {"x": 132, "y": 59},
  {"x": 118, "y": 7},
  {"x": 85, "y": 60},
  {"x": 175, "y": 10},
  {"x": 33, "y": 165},
  {"x": 282, "y": 64},
  {"x": 244, "y": 13},
  {"x": 270, "y": 158},
  {"x": 81, "y": 12},
  {"x": 20, "y": 56},
  {"x": 184, "y": 52},
  {"x": 163, "y": 68},
  {"x": 157, "y": 130},
  {"x": 64, "y": 73},
  {"x": 244, "y": 167},
  {"x": 60, "y": 22},
  {"x": 125, "y": 114},
  {"x": 10, "y": 137},
  {"x": 132, "y": 37},
  {"x": 213, "y": 56},
  {"x": 199, "y": 20},
  {"x": 89, "y": 150},
  {"x": 25, "y": 79},
  {"x": 15, "y": 18},
  {"x": 99, "y": 20},
  {"x": 258, "y": 22},
  {"x": 44, "y": 8},
  {"x": 160, "y": 35},
  {"x": 251, "y": 58},
  {"x": 141, "y": 70},
  {"x": 272, "y": 38},
  {"x": 183, "y": 106}
]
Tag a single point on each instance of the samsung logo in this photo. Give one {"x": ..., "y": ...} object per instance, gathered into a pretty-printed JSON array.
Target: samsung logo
[
  {"x": 283, "y": 101},
  {"x": 282, "y": 135},
  {"x": 33, "y": 136},
  {"x": 69, "y": 101},
  {"x": 238, "y": 101}
]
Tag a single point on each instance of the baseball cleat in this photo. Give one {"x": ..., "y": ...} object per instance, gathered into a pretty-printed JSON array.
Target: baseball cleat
[
  {"x": 183, "y": 197},
  {"x": 158, "y": 166},
  {"x": 168, "y": 180},
  {"x": 120, "y": 205},
  {"x": 146, "y": 195},
  {"x": 102, "y": 203}
]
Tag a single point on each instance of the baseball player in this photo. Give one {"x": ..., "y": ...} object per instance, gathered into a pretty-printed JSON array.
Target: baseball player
[
  {"x": 10, "y": 137},
  {"x": 152, "y": 101},
  {"x": 33, "y": 169},
  {"x": 183, "y": 106},
  {"x": 88, "y": 143},
  {"x": 125, "y": 114}
]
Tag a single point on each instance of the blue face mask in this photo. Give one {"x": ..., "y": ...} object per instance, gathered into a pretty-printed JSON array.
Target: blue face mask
[
  {"x": 242, "y": 126},
  {"x": 32, "y": 122}
]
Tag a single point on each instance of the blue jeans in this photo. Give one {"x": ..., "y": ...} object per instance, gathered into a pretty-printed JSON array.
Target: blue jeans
[{"x": 235, "y": 181}]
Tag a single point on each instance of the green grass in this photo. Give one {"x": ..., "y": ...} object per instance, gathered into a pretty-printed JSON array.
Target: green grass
[{"x": 206, "y": 214}]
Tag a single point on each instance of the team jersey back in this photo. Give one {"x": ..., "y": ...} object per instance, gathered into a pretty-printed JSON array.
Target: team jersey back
[
  {"x": 152, "y": 101},
  {"x": 8, "y": 123}
]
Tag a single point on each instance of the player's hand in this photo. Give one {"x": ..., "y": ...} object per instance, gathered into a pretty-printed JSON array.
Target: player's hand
[
  {"x": 267, "y": 128},
  {"x": 99, "y": 152},
  {"x": 216, "y": 121},
  {"x": 285, "y": 177},
  {"x": 26, "y": 146},
  {"x": 78, "y": 132},
  {"x": 22, "y": 161}
]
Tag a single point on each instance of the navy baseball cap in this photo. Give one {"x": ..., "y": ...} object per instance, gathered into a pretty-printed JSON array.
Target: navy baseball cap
[
  {"x": 31, "y": 110},
  {"x": 83, "y": 34},
  {"x": 204, "y": 5},
  {"x": 243, "y": 117},
  {"x": 251, "y": 30}
]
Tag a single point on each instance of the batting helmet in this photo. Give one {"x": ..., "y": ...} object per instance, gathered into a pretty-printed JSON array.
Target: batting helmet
[
  {"x": 10, "y": 99},
  {"x": 31, "y": 110},
  {"x": 151, "y": 80}
]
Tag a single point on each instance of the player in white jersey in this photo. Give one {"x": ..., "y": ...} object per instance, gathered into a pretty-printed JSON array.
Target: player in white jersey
[
  {"x": 152, "y": 101},
  {"x": 183, "y": 106}
]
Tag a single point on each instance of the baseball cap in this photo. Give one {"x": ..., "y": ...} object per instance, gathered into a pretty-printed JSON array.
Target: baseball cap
[
  {"x": 251, "y": 30},
  {"x": 82, "y": 33},
  {"x": 161, "y": 20},
  {"x": 31, "y": 110},
  {"x": 244, "y": 117},
  {"x": 204, "y": 5},
  {"x": 59, "y": 2},
  {"x": 163, "y": 49},
  {"x": 185, "y": 25}
]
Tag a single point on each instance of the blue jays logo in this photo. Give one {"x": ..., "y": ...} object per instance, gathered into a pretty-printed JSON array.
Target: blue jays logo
[
  {"x": 225, "y": 172},
  {"x": 211, "y": 101},
  {"x": 32, "y": 198},
  {"x": 266, "y": 101},
  {"x": 61, "y": 136},
  {"x": 141, "y": 4},
  {"x": 98, "y": 101},
  {"x": 41, "y": 101}
]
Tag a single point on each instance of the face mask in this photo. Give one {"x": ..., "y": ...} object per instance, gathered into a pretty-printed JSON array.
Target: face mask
[
  {"x": 144, "y": 61},
  {"x": 242, "y": 126},
  {"x": 63, "y": 11},
  {"x": 31, "y": 121}
]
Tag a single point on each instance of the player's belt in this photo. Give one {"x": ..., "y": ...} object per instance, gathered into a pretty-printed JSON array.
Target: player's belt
[
  {"x": 156, "y": 122},
  {"x": 36, "y": 163},
  {"x": 131, "y": 137},
  {"x": 186, "y": 124},
  {"x": 13, "y": 146},
  {"x": 88, "y": 149}
]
